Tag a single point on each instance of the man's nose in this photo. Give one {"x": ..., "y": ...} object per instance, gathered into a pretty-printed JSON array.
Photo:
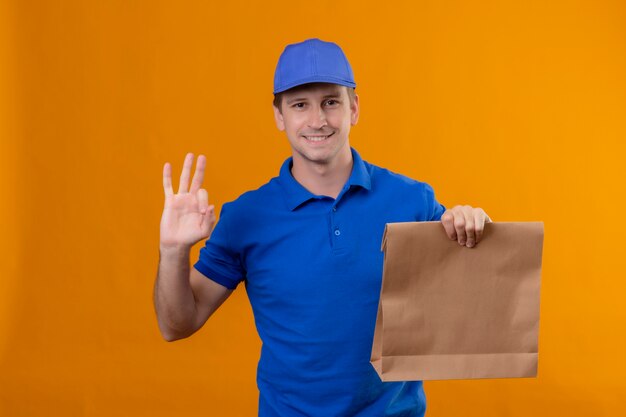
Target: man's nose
[{"x": 317, "y": 119}]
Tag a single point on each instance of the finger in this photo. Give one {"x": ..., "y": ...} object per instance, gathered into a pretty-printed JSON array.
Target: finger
[
  {"x": 198, "y": 176},
  {"x": 468, "y": 212},
  {"x": 203, "y": 200},
  {"x": 479, "y": 220},
  {"x": 459, "y": 226},
  {"x": 184, "y": 176},
  {"x": 167, "y": 179},
  {"x": 447, "y": 220},
  {"x": 208, "y": 221}
]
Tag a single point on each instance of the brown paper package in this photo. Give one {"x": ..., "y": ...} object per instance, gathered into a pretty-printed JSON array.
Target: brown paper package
[{"x": 452, "y": 312}]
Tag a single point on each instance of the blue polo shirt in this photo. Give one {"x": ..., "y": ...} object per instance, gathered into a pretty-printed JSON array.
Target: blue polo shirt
[{"x": 312, "y": 268}]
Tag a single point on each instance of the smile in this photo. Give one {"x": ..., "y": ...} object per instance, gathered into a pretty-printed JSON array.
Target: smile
[{"x": 317, "y": 138}]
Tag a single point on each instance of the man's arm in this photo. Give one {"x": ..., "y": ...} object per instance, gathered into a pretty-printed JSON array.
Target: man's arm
[{"x": 184, "y": 300}]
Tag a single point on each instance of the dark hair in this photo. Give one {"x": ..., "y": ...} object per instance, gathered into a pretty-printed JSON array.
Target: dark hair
[{"x": 278, "y": 98}]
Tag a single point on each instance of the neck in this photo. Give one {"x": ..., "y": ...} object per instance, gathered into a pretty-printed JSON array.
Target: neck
[{"x": 323, "y": 179}]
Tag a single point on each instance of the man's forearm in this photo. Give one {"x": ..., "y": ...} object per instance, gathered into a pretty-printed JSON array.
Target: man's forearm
[{"x": 173, "y": 297}]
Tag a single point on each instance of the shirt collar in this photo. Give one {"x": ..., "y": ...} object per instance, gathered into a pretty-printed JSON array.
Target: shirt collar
[{"x": 296, "y": 195}]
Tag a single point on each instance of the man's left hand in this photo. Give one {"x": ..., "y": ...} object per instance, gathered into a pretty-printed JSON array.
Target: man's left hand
[{"x": 465, "y": 224}]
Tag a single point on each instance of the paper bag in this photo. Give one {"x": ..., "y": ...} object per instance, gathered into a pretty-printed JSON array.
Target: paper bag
[{"x": 452, "y": 312}]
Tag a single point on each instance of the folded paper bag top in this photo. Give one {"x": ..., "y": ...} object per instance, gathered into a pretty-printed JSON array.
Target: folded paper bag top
[{"x": 451, "y": 312}]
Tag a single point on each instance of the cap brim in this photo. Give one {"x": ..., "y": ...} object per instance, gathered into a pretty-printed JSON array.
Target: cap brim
[{"x": 315, "y": 79}]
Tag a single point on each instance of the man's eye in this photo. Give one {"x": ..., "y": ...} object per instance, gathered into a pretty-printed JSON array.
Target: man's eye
[
  {"x": 331, "y": 102},
  {"x": 298, "y": 105}
]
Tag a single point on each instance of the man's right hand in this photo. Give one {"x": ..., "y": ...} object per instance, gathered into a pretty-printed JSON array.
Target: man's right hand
[{"x": 187, "y": 216}]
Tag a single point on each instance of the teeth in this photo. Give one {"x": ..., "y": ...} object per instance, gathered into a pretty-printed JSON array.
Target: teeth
[{"x": 316, "y": 138}]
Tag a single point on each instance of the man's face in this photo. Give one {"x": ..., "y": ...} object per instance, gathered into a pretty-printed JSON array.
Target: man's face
[{"x": 317, "y": 118}]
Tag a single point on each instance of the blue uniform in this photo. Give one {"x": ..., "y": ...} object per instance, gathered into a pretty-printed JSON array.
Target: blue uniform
[{"x": 312, "y": 268}]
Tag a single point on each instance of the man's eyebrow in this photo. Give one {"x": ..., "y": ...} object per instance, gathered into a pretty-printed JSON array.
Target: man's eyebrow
[
  {"x": 295, "y": 99},
  {"x": 333, "y": 95}
]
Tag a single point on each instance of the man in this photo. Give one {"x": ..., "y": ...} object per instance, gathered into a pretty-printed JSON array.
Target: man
[{"x": 307, "y": 247}]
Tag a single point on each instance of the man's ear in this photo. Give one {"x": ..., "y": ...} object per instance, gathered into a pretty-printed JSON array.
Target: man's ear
[
  {"x": 354, "y": 110},
  {"x": 278, "y": 118}
]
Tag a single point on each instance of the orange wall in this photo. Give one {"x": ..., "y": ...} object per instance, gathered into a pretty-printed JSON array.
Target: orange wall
[{"x": 518, "y": 107}]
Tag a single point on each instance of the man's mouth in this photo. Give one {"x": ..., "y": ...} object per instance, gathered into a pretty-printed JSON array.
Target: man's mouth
[{"x": 317, "y": 138}]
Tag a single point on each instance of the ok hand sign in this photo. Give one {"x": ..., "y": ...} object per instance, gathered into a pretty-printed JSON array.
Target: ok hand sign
[{"x": 187, "y": 217}]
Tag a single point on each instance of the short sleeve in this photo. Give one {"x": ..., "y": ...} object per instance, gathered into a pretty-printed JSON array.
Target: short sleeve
[
  {"x": 436, "y": 209},
  {"x": 219, "y": 260}
]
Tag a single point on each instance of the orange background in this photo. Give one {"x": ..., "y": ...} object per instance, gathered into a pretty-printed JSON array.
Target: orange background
[{"x": 516, "y": 107}]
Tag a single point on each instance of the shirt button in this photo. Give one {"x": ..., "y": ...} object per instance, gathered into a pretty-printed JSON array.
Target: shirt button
[
  {"x": 334, "y": 208},
  {"x": 337, "y": 232}
]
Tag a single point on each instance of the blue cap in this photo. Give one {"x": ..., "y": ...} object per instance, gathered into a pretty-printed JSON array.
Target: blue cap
[{"x": 312, "y": 61}]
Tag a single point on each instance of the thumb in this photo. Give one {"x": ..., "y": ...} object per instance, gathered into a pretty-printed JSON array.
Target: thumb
[
  {"x": 208, "y": 220},
  {"x": 203, "y": 200}
]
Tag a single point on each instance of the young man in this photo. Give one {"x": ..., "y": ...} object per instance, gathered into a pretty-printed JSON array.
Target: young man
[{"x": 307, "y": 247}]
